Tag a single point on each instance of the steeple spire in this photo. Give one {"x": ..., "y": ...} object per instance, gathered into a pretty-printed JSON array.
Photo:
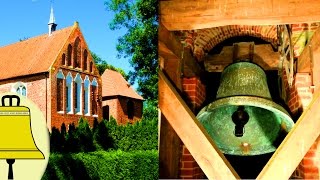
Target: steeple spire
[{"x": 52, "y": 25}]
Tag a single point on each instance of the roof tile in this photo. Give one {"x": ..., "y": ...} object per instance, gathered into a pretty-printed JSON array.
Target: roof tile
[
  {"x": 31, "y": 56},
  {"x": 113, "y": 84}
]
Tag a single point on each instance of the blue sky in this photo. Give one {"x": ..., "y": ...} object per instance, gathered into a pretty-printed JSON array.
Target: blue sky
[{"x": 28, "y": 18}]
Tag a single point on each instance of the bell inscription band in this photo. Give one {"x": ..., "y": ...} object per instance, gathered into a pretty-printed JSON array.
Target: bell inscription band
[
  {"x": 15, "y": 128},
  {"x": 243, "y": 120}
]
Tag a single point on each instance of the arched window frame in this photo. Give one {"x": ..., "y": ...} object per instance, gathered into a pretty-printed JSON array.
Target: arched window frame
[
  {"x": 85, "y": 60},
  {"x": 59, "y": 97},
  {"x": 20, "y": 88},
  {"x": 87, "y": 102},
  {"x": 77, "y": 53},
  {"x": 91, "y": 67},
  {"x": 78, "y": 94},
  {"x": 69, "y": 55},
  {"x": 94, "y": 104},
  {"x": 63, "y": 59},
  {"x": 69, "y": 94}
]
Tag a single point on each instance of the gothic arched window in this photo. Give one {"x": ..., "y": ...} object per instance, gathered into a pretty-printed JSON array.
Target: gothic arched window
[
  {"x": 77, "y": 53},
  {"x": 77, "y": 93},
  {"x": 69, "y": 93},
  {"x": 59, "y": 97}
]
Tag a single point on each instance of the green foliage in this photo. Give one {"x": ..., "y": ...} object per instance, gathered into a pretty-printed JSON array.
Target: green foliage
[
  {"x": 72, "y": 142},
  {"x": 84, "y": 136},
  {"x": 106, "y": 135},
  {"x": 102, "y": 65},
  {"x": 150, "y": 111},
  {"x": 139, "y": 43},
  {"x": 57, "y": 140},
  {"x": 77, "y": 139},
  {"x": 142, "y": 135},
  {"x": 101, "y": 136},
  {"x": 103, "y": 165}
]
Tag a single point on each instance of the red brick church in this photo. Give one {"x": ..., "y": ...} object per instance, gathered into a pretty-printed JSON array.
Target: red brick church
[
  {"x": 119, "y": 99},
  {"x": 55, "y": 71}
]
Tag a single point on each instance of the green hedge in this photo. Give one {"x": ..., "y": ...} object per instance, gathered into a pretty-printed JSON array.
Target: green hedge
[
  {"x": 105, "y": 135},
  {"x": 142, "y": 135},
  {"x": 103, "y": 165}
]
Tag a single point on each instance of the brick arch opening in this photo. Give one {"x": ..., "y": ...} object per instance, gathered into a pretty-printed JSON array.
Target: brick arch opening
[
  {"x": 203, "y": 40},
  {"x": 77, "y": 52},
  {"x": 235, "y": 39}
]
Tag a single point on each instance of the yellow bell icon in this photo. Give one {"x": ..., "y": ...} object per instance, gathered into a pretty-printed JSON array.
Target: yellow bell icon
[{"x": 16, "y": 140}]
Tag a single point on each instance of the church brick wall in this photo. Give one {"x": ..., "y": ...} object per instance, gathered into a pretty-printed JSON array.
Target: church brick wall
[
  {"x": 118, "y": 109},
  {"x": 61, "y": 64},
  {"x": 36, "y": 91}
]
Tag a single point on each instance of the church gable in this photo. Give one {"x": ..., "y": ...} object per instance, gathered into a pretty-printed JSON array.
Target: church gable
[
  {"x": 75, "y": 82},
  {"x": 75, "y": 55}
]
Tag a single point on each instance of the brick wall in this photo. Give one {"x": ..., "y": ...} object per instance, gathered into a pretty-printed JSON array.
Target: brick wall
[
  {"x": 300, "y": 97},
  {"x": 36, "y": 90},
  {"x": 113, "y": 104},
  {"x": 118, "y": 109},
  {"x": 203, "y": 40},
  {"x": 300, "y": 93},
  {"x": 189, "y": 167},
  {"x": 57, "y": 118},
  {"x": 195, "y": 93}
]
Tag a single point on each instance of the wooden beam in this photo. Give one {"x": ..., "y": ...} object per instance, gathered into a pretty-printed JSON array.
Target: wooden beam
[
  {"x": 304, "y": 60},
  {"x": 308, "y": 61},
  {"x": 169, "y": 151},
  {"x": 310, "y": 52},
  {"x": 191, "y": 132},
  {"x": 170, "y": 48},
  {"x": 263, "y": 56},
  {"x": 296, "y": 144},
  {"x": 187, "y": 15}
]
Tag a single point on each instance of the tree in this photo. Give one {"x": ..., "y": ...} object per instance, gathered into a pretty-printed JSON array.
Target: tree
[
  {"x": 102, "y": 65},
  {"x": 139, "y": 43}
]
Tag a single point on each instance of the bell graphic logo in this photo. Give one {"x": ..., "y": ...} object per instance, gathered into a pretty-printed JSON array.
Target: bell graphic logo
[{"x": 24, "y": 139}]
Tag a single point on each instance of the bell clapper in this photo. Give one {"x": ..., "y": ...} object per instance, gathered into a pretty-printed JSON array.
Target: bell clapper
[
  {"x": 10, "y": 173},
  {"x": 240, "y": 117}
]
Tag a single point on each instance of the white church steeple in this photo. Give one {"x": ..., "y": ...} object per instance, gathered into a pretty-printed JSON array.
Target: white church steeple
[{"x": 52, "y": 25}]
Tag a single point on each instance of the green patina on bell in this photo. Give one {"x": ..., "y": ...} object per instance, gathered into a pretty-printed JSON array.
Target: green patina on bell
[{"x": 244, "y": 120}]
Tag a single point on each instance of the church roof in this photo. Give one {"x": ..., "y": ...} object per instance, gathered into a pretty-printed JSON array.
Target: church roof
[
  {"x": 33, "y": 55},
  {"x": 113, "y": 84}
]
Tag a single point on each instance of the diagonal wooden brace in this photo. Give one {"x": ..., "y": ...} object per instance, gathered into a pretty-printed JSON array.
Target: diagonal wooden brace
[
  {"x": 191, "y": 132},
  {"x": 296, "y": 144}
]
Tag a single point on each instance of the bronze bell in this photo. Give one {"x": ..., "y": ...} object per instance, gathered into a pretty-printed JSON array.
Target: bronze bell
[{"x": 243, "y": 120}]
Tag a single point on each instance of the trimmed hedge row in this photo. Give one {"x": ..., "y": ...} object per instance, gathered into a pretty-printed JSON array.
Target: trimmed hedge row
[
  {"x": 105, "y": 135},
  {"x": 103, "y": 165},
  {"x": 142, "y": 135}
]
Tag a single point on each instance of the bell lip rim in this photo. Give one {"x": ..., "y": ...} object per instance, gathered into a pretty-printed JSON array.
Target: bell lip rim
[
  {"x": 234, "y": 100},
  {"x": 250, "y": 153}
]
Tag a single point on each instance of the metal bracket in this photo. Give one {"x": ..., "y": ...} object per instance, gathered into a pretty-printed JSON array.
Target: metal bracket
[
  {"x": 286, "y": 53},
  {"x": 184, "y": 45}
]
